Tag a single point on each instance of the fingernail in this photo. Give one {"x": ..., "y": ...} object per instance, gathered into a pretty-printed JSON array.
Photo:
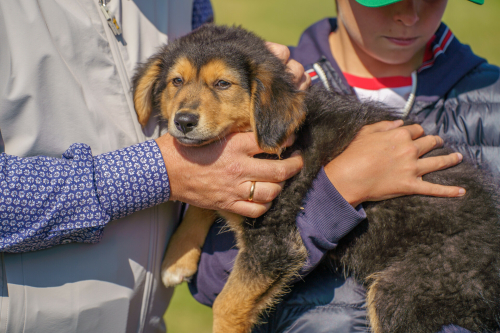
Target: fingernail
[
  {"x": 398, "y": 122},
  {"x": 460, "y": 158},
  {"x": 461, "y": 192},
  {"x": 296, "y": 153}
]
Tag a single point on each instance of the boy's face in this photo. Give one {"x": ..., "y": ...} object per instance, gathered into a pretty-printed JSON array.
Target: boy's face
[{"x": 395, "y": 34}]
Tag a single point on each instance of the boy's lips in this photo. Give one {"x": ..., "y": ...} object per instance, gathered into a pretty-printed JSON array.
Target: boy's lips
[{"x": 402, "y": 41}]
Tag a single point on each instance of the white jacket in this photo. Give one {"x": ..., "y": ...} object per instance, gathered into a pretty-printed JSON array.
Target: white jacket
[{"x": 65, "y": 78}]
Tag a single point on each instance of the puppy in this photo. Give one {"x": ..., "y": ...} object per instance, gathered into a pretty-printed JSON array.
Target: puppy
[{"x": 426, "y": 262}]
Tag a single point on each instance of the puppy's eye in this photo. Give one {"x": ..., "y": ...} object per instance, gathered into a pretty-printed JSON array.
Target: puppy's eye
[
  {"x": 177, "y": 81},
  {"x": 221, "y": 84}
]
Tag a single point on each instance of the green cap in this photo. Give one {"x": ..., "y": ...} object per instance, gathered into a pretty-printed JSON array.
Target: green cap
[{"x": 380, "y": 3}]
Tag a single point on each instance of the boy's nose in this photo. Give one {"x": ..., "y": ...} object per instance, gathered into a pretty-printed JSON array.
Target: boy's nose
[{"x": 407, "y": 12}]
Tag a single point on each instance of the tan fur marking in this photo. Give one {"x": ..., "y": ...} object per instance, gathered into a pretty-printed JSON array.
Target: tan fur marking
[
  {"x": 184, "y": 248},
  {"x": 143, "y": 98},
  {"x": 245, "y": 295},
  {"x": 216, "y": 70},
  {"x": 229, "y": 112},
  {"x": 372, "y": 307},
  {"x": 182, "y": 68},
  {"x": 235, "y": 308}
]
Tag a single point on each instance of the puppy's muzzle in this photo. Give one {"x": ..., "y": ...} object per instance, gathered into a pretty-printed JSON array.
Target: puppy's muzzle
[{"x": 186, "y": 122}]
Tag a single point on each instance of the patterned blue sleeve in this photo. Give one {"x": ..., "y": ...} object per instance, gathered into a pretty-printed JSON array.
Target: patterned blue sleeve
[
  {"x": 202, "y": 13},
  {"x": 48, "y": 201}
]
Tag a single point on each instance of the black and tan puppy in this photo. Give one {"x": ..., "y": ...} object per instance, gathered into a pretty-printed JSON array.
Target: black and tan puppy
[{"x": 427, "y": 262}]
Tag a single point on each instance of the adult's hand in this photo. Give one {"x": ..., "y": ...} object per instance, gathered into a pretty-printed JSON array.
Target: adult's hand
[
  {"x": 219, "y": 175},
  {"x": 301, "y": 79},
  {"x": 384, "y": 162}
]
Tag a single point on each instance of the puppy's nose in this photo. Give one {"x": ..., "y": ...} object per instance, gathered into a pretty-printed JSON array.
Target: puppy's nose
[{"x": 186, "y": 122}]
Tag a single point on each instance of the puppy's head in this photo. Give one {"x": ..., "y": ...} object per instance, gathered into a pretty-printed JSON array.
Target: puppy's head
[{"x": 216, "y": 81}]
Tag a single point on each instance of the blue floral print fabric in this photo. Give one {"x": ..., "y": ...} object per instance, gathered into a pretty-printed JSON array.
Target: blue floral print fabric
[{"x": 47, "y": 201}]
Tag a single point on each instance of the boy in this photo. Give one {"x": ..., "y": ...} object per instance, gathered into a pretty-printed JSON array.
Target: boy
[{"x": 397, "y": 52}]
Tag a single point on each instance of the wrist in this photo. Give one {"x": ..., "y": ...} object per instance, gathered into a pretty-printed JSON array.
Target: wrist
[
  {"x": 340, "y": 177},
  {"x": 172, "y": 160}
]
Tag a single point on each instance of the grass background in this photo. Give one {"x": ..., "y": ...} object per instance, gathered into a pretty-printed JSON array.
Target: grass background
[{"x": 282, "y": 21}]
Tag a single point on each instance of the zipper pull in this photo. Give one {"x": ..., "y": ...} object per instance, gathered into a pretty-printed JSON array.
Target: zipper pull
[{"x": 110, "y": 18}]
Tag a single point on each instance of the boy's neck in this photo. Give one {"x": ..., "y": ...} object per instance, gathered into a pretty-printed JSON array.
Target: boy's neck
[{"x": 353, "y": 60}]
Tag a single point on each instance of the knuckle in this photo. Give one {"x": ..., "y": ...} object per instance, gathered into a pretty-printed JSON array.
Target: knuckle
[
  {"x": 279, "y": 50},
  {"x": 411, "y": 150},
  {"x": 281, "y": 174},
  {"x": 417, "y": 128},
  {"x": 402, "y": 134},
  {"x": 235, "y": 170},
  {"x": 432, "y": 140}
]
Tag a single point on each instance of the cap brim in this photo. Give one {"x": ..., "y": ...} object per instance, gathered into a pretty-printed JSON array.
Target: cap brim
[
  {"x": 376, "y": 3},
  {"x": 380, "y": 3}
]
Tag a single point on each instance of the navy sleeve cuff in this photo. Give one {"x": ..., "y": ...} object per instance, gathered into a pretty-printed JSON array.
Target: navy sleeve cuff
[{"x": 326, "y": 218}]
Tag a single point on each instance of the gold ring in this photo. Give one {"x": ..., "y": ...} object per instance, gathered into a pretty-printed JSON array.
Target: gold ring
[{"x": 252, "y": 190}]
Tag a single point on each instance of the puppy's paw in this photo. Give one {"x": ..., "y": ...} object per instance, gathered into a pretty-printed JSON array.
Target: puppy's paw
[{"x": 174, "y": 272}]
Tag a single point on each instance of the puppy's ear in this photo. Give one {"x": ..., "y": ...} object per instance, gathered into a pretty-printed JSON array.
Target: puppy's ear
[
  {"x": 145, "y": 82},
  {"x": 278, "y": 108}
]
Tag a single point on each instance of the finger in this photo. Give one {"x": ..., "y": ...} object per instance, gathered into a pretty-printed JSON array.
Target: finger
[
  {"x": 289, "y": 141},
  {"x": 436, "y": 190},
  {"x": 245, "y": 142},
  {"x": 382, "y": 126},
  {"x": 427, "y": 143},
  {"x": 250, "y": 209},
  {"x": 279, "y": 50},
  {"x": 274, "y": 171},
  {"x": 296, "y": 69},
  {"x": 305, "y": 82},
  {"x": 435, "y": 163},
  {"x": 415, "y": 130},
  {"x": 264, "y": 192}
]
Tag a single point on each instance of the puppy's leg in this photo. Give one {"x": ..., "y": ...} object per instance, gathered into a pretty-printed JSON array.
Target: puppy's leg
[
  {"x": 184, "y": 248},
  {"x": 266, "y": 263},
  {"x": 244, "y": 296}
]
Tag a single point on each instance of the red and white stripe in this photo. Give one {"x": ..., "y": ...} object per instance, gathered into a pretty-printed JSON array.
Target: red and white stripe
[
  {"x": 437, "y": 49},
  {"x": 312, "y": 73}
]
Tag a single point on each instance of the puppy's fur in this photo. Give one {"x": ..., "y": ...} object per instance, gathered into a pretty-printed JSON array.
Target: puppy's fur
[{"x": 427, "y": 262}]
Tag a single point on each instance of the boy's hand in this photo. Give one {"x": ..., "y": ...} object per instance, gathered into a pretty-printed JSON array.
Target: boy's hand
[
  {"x": 301, "y": 79},
  {"x": 219, "y": 175},
  {"x": 384, "y": 162}
]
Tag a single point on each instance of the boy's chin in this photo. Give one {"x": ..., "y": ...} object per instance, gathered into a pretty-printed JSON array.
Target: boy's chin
[{"x": 400, "y": 58}]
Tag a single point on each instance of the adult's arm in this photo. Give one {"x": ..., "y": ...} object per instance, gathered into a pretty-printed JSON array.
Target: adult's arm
[{"x": 49, "y": 201}]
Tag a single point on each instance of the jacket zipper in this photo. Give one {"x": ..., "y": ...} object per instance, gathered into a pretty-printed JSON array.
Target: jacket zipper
[{"x": 122, "y": 72}]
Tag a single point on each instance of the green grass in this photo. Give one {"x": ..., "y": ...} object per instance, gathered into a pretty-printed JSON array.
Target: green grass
[
  {"x": 185, "y": 315},
  {"x": 282, "y": 21}
]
